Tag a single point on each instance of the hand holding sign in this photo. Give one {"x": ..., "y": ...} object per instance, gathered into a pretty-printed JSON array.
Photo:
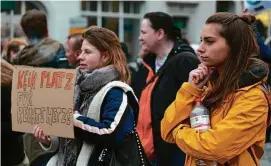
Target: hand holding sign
[{"x": 40, "y": 136}]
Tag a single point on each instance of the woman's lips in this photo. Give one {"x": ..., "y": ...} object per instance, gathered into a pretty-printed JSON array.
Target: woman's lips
[{"x": 83, "y": 66}]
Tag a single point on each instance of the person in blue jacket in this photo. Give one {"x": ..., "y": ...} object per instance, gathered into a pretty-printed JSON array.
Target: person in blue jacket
[
  {"x": 265, "y": 50},
  {"x": 103, "y": 102}
]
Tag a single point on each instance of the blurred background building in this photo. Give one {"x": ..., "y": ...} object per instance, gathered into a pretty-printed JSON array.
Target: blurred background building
[{"x": 123, "y": 17}]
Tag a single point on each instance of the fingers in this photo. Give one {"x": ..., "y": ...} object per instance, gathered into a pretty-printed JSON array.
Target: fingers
[
  {"x": 36, "y": 131},
  {"x": 39, "y": 135},
  {"x": 200, "y": 75}
]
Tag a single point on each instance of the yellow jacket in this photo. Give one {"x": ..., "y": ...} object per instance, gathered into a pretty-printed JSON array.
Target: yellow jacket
[{"x": 236, "y": 126}]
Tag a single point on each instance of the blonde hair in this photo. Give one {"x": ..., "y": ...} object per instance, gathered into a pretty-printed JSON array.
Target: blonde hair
[
  {"x": 106, "y": 40},
  {"x": 6, "y": 73}
]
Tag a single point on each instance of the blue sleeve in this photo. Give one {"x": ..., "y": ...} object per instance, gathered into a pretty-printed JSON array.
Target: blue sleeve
[
  {"x": 265, "y": 50},
  {"x": 115, "y": 122}
]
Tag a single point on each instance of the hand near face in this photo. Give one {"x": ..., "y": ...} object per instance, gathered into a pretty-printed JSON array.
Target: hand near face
[
  {"x": 40, "y": 136},
  {"x": 200, "y": 76}
]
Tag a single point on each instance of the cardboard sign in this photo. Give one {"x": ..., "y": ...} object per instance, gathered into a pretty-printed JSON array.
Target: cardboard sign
[
  {"x": 257, "y": 6},
  {"x": 43, "y": 97}
]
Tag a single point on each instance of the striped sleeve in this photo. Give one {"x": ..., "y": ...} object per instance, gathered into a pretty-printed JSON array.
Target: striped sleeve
[{"x": 113, "y": 108}]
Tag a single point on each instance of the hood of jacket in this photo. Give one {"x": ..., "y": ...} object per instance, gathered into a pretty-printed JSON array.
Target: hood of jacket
[
  {"x": 256, "y": 73},
  {"x": 38, "y": 54},
  {"x": 179, "y": 47}
]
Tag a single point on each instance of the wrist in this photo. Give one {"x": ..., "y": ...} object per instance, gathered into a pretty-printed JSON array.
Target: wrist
[{"x": 192, "y": 89}]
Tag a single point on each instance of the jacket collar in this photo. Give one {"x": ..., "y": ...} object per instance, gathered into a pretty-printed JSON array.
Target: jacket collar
[
  {"x": 179, "y": 47},
  {"x": 254, "y": 75}
]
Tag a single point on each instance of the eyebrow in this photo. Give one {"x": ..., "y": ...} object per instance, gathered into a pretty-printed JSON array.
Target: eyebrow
[
  {"x": 85, "y": 49},
  {"x": 207, "y": 37}
]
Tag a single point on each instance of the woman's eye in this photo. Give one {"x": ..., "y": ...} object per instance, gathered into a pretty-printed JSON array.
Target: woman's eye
[{"x": 209, "y": 41}]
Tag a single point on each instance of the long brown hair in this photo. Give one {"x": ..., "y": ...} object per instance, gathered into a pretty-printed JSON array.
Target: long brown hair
[
  {"x": 106, "y": 41},
  {"x": 239, "y": 35}
]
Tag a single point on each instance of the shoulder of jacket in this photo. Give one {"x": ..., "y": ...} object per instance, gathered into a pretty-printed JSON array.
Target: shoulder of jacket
[
  {"x": 252, "y": 93},
  {"x": 186, "y": 55},
  {"x": 185, "y": 58},
  {"x": 114, "y": 93}
]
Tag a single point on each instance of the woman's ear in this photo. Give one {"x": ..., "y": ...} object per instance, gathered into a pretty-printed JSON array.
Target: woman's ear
[
  {"x": 105, "y": 56},
  {"x": 160, "y": 34}
]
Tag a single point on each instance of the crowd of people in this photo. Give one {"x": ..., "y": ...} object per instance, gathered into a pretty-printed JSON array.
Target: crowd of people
[{"x": 140, "y": 112}]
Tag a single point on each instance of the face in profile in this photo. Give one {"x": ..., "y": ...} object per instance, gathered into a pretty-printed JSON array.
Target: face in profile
[
  {"x": 148, "y": 36},
  {"x": 213, "y": 50},
  {"x": 71, "y": 54},
  {"x": 90, "y": 58}
]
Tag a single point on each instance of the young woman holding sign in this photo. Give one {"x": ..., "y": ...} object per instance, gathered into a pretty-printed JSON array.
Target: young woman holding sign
[
  {"x": 229, "y": 83},
  {"x": 105, "y": 105}
]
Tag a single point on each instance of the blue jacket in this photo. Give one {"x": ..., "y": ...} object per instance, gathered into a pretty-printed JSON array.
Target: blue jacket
[
  {"x": 117, "y": 120},
  {"x": 265, "y": 50}
]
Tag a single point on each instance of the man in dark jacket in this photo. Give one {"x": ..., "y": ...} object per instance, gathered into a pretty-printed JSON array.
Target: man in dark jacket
[
  {"x": 42, "y": 51},
  {"x": 160, "y": 76}
]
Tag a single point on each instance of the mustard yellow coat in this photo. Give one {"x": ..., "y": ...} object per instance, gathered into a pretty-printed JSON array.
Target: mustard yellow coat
[{"x": 236, "y": 126}]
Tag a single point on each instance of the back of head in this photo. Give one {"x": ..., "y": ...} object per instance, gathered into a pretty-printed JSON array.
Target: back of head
[
  {"x": 106, "y": 40},
  {"x": 160, "y": 20},
  {"x": 77, "y": 43},
  {"x": 6, "y": 73},
  {"x": 34, "y": 24}
]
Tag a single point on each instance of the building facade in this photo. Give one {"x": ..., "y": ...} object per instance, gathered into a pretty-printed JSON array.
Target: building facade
[{"x": 123, "y": 17}]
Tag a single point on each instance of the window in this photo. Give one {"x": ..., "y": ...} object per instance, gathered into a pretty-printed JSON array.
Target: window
[
  {"x": 93, "y": 5},
  {"x": 91, "y": 20},
  {"x": 30, "y": 6},
  {"x": 17, "y": 9},
  {"x": 89, "y": 5},
  {"x": 105, "y": 6},
  {"x": 115, "y": 6},
  {"x": 225, "y": 6},
  {"x": 122, "y": 17},
  {"x": 131, "y": 7},
  {"x": 83, "y": 5},
  {"x": 110, "y": 6},
  {"x": 131, "y": 34},
  {"x": 180, "y": 22},
  {"x": 111, "y": 23}
]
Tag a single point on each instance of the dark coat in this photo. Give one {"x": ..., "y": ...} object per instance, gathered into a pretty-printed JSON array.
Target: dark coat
[
  {"x": 11, "y": 142},
  {"x": 178, "y": 66}
]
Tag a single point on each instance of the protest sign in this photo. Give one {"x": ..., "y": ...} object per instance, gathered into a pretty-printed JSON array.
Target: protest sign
[{"x": 43, "y": 97}]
